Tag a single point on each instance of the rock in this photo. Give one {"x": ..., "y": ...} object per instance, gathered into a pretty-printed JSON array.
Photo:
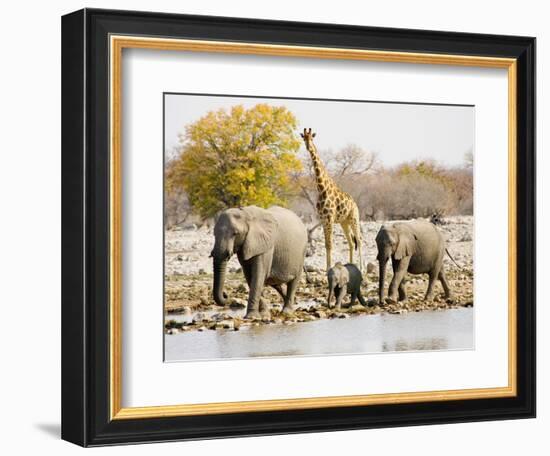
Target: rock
[
  {"x": 225, "y": 324},
  {"x": 392, "y": 310},
  {"x": 237, "y": 303},
  {"x": 179, "y": 258},
  {"x": 204, "y": 301},
  {"x": 201, "y": 328},
  {"x": 202, "y": 271},
  {"x": 199, "y": 317},
  {"x": 241, "y": 288},
  {"x": 320, "y": 281},
  {"x": 219, "y": 317},
  {"x": 311, "y": 268},
  {"x": 371, "y": 268}
]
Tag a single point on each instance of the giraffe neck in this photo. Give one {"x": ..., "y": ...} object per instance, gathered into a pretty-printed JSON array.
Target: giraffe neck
[{"x": 321, "y": 174}]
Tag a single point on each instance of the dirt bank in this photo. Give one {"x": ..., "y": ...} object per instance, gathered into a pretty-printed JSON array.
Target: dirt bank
[{"x": 188, "y": 279}]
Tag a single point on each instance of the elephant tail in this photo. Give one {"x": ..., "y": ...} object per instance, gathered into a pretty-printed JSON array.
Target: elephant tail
[
  {"x": 451, "y": 257},
  {"x": 355, "y": 243}
]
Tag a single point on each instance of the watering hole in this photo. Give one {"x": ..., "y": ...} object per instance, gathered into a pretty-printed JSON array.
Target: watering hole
[{"x": 450, "y": 329}]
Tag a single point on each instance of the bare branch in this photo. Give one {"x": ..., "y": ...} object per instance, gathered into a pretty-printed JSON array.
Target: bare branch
[{"x": 310, "y": 232}]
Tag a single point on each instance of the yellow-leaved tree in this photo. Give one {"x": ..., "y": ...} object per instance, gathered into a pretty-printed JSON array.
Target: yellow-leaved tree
[{"x": 236, "y": 157}]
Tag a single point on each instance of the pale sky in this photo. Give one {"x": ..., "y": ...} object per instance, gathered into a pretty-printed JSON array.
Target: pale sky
[{"x": 395, "y": 132}]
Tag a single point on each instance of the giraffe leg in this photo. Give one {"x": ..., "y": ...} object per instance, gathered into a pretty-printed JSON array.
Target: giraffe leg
[
  {"x": 357, "y": 234},
  {"x": 327, "y": 228},
  {"x": 356, "y": 229},
  {"x": 347, "y": 233}
]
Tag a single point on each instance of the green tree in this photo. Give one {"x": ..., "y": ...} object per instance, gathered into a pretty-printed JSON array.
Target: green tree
[{"x": 237, "y": 157}]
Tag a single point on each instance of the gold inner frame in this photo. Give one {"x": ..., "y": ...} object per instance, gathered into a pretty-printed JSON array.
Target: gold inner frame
[{"x": 117, "y": 44}]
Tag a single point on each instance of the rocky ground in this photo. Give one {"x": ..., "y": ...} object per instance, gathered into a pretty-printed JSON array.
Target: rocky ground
[{"x": 188, "y": 280}]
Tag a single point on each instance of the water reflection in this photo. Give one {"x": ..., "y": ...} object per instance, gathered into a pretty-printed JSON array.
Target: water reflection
[
  {"x": 435, "y": 343},
  {"x": 436, "y": 330}
]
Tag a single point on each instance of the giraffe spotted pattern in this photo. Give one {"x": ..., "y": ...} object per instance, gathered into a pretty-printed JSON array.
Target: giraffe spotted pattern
[{"x": 333, "y": 205}]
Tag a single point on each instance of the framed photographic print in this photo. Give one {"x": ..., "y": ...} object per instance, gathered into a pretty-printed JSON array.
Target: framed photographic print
[{"x": 279, "y": 227}]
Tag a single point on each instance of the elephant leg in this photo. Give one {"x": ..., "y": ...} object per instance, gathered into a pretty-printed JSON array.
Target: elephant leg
[
  {"x": 361, "y": 299},
  {"x": 340, "y": 293},
  {"x": 431, "y": 282},
  {"x": 402, "y": 291},
  {"x": 279, "y": 290},
  {"x": 399, "y": 270},
  {"x": 329, "y": 298},
  {"x": 327, "y": 228},
  {"x": 291, "y": 288},
  {"x": 448, "y": 292},
  {"x": 353, "y": 299},
  {"x": 247, "y": 273},
  {"x": 256, "y": 285}
]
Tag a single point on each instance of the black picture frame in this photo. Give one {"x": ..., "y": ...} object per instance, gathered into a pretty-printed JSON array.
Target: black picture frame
[{"x": 85, "y": 228}]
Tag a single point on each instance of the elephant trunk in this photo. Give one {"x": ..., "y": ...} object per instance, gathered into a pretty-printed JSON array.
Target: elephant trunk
[
  {"x": 382, "y": 278},
  {"x": 220, "y": 268}
]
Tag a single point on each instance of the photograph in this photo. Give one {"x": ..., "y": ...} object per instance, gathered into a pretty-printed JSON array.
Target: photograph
[
  {"x": 314, "y": 227},
  {"x": 286, "y": 223}
]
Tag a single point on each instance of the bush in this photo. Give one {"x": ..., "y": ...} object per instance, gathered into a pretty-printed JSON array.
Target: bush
[
  {"x": 404, "y": 197},
  {"x": 409, "y": 190}
]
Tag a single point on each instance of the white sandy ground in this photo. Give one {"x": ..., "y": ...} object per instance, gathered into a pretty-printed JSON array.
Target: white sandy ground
[{"x": 187, "y": 250}]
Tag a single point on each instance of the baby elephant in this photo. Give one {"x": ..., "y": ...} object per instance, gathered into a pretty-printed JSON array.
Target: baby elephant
[{"x": 344, "y": 279}]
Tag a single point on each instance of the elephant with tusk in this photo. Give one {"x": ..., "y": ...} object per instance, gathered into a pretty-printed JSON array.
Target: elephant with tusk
[{"x": 270, "y": 245}]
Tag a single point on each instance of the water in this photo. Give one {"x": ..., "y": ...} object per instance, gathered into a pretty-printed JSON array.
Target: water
[{"x": 429, "y": 330}]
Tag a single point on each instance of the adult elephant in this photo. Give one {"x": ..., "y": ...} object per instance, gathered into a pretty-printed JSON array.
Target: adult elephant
[
  {"x": 416, "y": 247},
  {"x": 270, "y": 245}
]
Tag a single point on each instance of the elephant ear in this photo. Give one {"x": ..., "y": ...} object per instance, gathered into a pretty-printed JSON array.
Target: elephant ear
[
  {"x": 261, "y": 232},
  {"x": 342, "y": 282},
  {"x": 406, "y": 246}
]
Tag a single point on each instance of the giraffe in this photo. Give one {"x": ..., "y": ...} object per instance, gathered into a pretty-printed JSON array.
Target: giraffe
[{"x": 333, "y": 205}]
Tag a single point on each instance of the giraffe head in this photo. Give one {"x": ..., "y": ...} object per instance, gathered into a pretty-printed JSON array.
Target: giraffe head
[{"x": 308, "y": 136}]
